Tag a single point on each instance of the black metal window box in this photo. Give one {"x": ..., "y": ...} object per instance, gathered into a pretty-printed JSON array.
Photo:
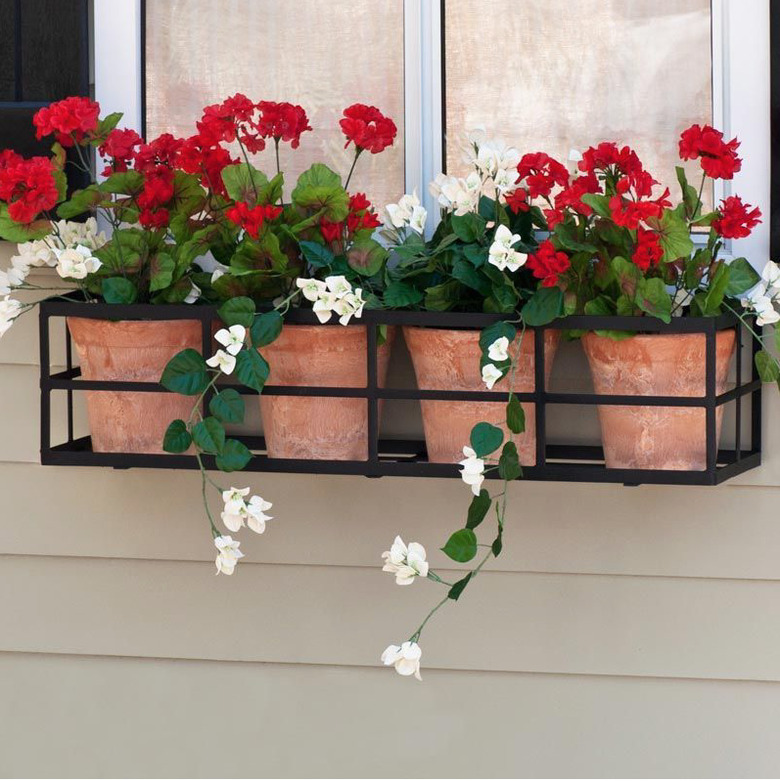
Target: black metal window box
[{"x": 559, "y": 461}]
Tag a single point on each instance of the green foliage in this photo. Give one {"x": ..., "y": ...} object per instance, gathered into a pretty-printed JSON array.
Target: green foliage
[
  {"x": 673, "y": 235},
  {"x": 440, "y": 298},
  {"x": 495, "y": 331},
  {"x": 515, "y": 415},
  {"x": 469, "y": 227},
  {"x": 366, "y": 256},
  {"x": 461, "y": 546},
  {"x": 161, "y": 269},
  {"x": 509, "y": 464},
  {"x": 19, "y": 233},
  {"x": 627, "y": 276},
  {"x": 401, "y": 294},
  {"x": 478, "y": 509},
  {"x": 316, "y": 255},
  {"x": 186, "y": 373},
  {"x": 177, "y": 439},
  {"x": 465, "y": 272},
  {"x": 457, "y": 588},
  {"x": 653, "y": 299},
  {"x": 237, "y": 311},
  {"x": 544, "y": 306},
  {"x": 243, "y": 182},
  {"x": 689, "y": 194},
  {"x": 599, "y": 204},
  {"x": 266, "y": 328},
  {"x": 320, "y": 189},
  {"x": 768, "y": 369},
  {"x": 209, "y": 436},
  {"x": 80, "y": 202},
  {"x": 119, "y": 290},
  {"x": 742, "y": 276},
  {"x": 485, "y": 439},
  {"x": 252, "y": 369},
  {"x": 227, "y": 406},
  {"x": 234, "y": 456},
  {"x": 716, "y": 290}
]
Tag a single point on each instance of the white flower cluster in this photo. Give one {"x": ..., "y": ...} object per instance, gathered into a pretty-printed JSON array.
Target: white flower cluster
[
  {"x": 10, "y": 309},
  {"x": 405, "y": 658},
  {"x": 407, "y": 212},
  {"x": 498, "y": 351},
  {"x": 239, "y": 512},
  {"x": 232, "y": 339},
  {"x": 501, "y": 254},
  {"x": 473, "y": 472},
  {"x": 405, "y": 562},
  {"x": 765, "y": 295},
  {"x": 335, "y": 294},
  {"x": 228, "y": 554}
]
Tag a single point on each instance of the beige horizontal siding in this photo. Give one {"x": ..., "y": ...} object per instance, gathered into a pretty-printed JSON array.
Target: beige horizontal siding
[{"x": 80, "y": 716}]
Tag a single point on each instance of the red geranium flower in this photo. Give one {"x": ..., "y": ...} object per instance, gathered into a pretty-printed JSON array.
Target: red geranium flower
[
  {"x": 251, "y": 220},
  {"x": 163, "y": 150},
  {"x": 571, "y": 197},
  {"x": 70, "y": 120},
  {"x": 27, "y": 186},
  {"x": 735, "y": 221},
  {"x": 222, "y": 121},
  {"x": 361, "y": 214},
  {"x": 120, "y": 146},
  {"x": 553, "y": 217},
  {"x": 282, "y": 122},
  {"x": 718, "y": 158},
  {"x": 9, "y": 157},
  {"x": 627, "y": 207},
  {"x": 154, "y": 219},
  {"x": 207, "y": 161},
  {"x": 331, "y": 231},
  {"x": 547, "y": 264},
  {"x": 517, "y": 200},
  {"x": 608, "y": 155},
  {"x": 158, "y": 187},
  {"x": 648, "y": 252},
  {"x": 541, "y": 173},
  {"x": 368, "y": 128}
]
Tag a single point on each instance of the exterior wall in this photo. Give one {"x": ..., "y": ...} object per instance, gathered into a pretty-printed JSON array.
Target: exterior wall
[{"x": 624, "y": 631}]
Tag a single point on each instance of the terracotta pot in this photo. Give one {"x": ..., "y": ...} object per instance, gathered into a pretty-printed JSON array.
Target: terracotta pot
[
  {"x": 320, "y": 427},
  {"x": 655, "y": 365},
  {"x": 447, "y": 359},
  {"x": 134, "y": 351}
]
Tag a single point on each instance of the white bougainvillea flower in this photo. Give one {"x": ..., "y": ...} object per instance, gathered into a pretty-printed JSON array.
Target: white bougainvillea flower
[
  {"x": 400, "y": 214},
  {"x": 418, "y": 219},
  {"x": 37, "y": 253},
  {"x": 234, "y": 499},
  {"x": 193, "y": 295},
  {"x": 338, "y": 286},
  {"x": 223, "y": 361},
  {"x": 473, "y": 472},
  {"x": 405, "y": 658},
  {"x": 501, "y": 254},
  {"x": 350, "y": 306},
  {"x": 762, "y": 305},
  {"x": 228, "y": 554},
  {"x": 70, "y": 234},
  {"x": 255, "y": 514},
  {"x": 491, "y": 375},
  {"x": 770, "y": 278},
  {"x": 494, "y": 156},
  {"x": 323, "y": 306},
  {"x": 498, "y": 351},
  {"x": 312, "y": 289},
  {"x": 76, "y": 262},
  {"x": 10, "y": 309},
  {"x": 405, "y": 562},
  {"x": 505, "y": 180},
  {"x": 231, "y": 338}
]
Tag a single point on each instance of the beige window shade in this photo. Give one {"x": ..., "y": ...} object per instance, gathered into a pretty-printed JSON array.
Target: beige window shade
[
  {"x": 552, "y": 75},
  {"x": 322, "y": 54}
]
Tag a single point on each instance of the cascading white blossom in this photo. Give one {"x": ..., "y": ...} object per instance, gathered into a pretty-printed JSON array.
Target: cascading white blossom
[
  {"x": 232, "y": 339},
  {"x": 228, "y": 554},
  {"x": 473, "y": 471},
  {"x": 499, "y": 349},
  {"x": 333, "y": 295},
  {"x": 405, "y": 562},
  {"x": 501, "y": 255},
  {"x": 405, "y": 658},
  {"x": 762, "y": 299}
]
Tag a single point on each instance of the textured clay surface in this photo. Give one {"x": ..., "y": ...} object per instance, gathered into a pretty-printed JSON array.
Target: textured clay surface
[
  {"x": 319, "y": 427},
  {"x": 133, "y": 351},
  {"x": 446, "y": 359},
  {"x": 655, "y": 365}
]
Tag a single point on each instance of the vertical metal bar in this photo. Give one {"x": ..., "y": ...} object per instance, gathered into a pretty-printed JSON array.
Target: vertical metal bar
[
  {"x": 738, "y": 412},
  {"x": 371, "y": 394},
  {"x": 69, "y": 392},
  {"x": 710, "y": 392},
  {"x": 540, "y": 391},
  {"x": 755, "y": 397},
  {"x": 43, "y": 343}
]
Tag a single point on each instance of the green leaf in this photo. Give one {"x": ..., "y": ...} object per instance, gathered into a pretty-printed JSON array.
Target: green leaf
[
  {"x": 243, "y": 182},
  {"x": 565, "y": 234},
  {"x": 209, "y": 435},
  {"x": 266, "y": 328},
  {"x": 498, "y": 543},
  {"x": 235, "y": 455},
  {"x": 401, "y": 294},
  {"x": 457, "y": 588},
  {"x": 496, "y": 331},
  {"x": 161, "y": 268},
  {"x": 478, "y": 509},
  {"x": 673, "y": 235},
  {"x": 119, "y": 290},
  {"x": 177, "y": 439},
  {"x": 123, "y": 183},
  {"x": 689, "y": 194},
  {"x": 227, "y": 406},
  {"x": 716, "y": 290},
  {"x": 485, "y": 438},
  {"x": 81, "y": 201},
  {"x": 509, "y": 464},
  {"x": 652, "y": 298},
  {"x": 627, "y": 275},
  {"x": 544, "y": 306},
  {"x": 186, "y": 373},
  {"x": 468, "y": 227},
  {"x": 476, "y": 254},
  {"x": 19, "y": 233},
  {"x": 319, "y": 188},
  {"x": 742, "y": 277},
  {"x": 272, "y": 192},
  {"x": 106, "y": 125},
  {"x": 461, "y": 546},
  {"x": 366, "y": 256},
  {"x": 442, "y": 297},
  {"x": 768, "y": 369},
  {"x": 599, "y": 204},
  {"x": 600, "y": 306},
  {"x": 317, "y": 255},
  {"x": 252, "y": 369},
  {"x": 465, "y": 272},
  {"x": 515, "y": 416},
  {"x": 237, "y": 311}
]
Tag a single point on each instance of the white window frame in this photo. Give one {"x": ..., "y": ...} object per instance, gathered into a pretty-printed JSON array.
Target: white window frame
[{"x": 740, "y": 88}]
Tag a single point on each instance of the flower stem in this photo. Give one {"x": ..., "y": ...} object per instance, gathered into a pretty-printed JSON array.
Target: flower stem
[{"x": 358, "y": 150}]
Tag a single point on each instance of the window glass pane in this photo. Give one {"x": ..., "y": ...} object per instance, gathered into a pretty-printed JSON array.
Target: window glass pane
[
  {"x": 552, "y": 75},
  {"x": 321, "y": 55}
]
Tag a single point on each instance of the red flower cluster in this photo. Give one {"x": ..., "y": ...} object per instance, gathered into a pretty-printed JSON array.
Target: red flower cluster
[
  {"x": 198, "y": 156},
  {"x": 70, "y": 120},
  {"x": 361, "y": 217},
  {"x": 158, "y": 190},
  {"x": 648, "y": 252},
  {"x": 607, "y": 155},
  {"x": 547, "y": 264},
  {"x": 282, "y": 122},
  {"x": 735, "y": 221},
  {"x": 120, "y": 145},
  {"x": 252, "y": 220},
  {"x": 517, "y": 200},
  {"x": 718, "y": 157},
  {"x": 628, "y": 207},
  {"x": 541, "y": 173},
  {"x": 571, "y": 198},
  {"x": 28, "y": 186},
  {"x": 368, "y": 128},
  {"x": 225, "y": 121}
]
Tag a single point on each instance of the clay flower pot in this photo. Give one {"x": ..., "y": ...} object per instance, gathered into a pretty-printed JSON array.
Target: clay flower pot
[
  {"x": 133, "y": 351},
  {"x": 446, "y": 359},
  {"x": 314, "y": 427},
  {"x": 655, "y": 365}
]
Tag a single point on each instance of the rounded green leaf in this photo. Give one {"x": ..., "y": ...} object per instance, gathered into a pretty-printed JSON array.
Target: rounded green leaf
[
  {"x": 186, "y": 373},
  {"x": 478, "y": 509},
  {"x": 209, "y": 436},
  {"x": 317, "y": 255},
  {"x": 485, "y": 438},
  {"x": 544, "y": 306},
  {"x": 461, "y": 546},
  {"x": 237, "y": 311},
  {"x": 119, "y": 290},
  {"x": 509, "y": 464},
  {"x": 266, "y": 329},
  {"x": 515, "y": 416},
  {"x": 235, "y": 455},
  {"x": 227, "y": 406},
  {"x": 252, "y": 369},
  {"x": 177, "y": 439},
  {"x": 366, "y": 256}
]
